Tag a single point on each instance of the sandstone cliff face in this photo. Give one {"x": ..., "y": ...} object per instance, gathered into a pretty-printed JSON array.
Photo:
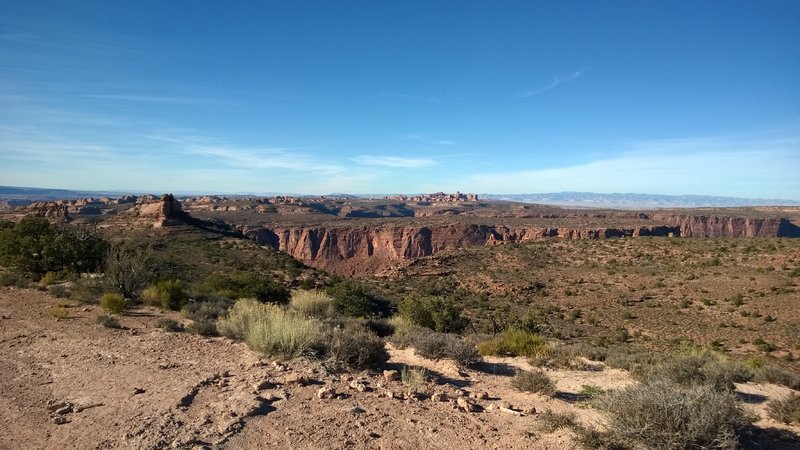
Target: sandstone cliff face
[
  {"x": 705, "y": 226},
  {"x": 362, "y": 250}
]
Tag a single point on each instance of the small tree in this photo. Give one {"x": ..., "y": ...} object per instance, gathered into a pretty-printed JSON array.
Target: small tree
[{"x": 128, "y": 269}]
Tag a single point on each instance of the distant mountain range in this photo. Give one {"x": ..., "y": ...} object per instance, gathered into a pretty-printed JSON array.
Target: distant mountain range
[
  {"x": 574, "y": 199},
  {"x": 637, "y": 201}
]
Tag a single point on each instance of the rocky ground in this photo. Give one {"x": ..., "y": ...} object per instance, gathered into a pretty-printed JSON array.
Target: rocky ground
[{"x": 70, "y": 383}]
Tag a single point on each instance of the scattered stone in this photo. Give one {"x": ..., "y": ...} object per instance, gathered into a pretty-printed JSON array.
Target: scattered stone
[
  {"x": 4, "y": 317},
  {"x": 326, "y": 392},
  {"x": 60, "y": 420},
  {"x": 54, "y": 406},
  {"x": 391, "y": 375},
  {"x": 263, "y": 384},
  {"x": 359, "y": 385},
  {"x": 465, "y": 405},
  {"x": 390, "y": 394},
  {"x": 510, "y": 411},
  {"x": 357, "y": 410},
  {"x": 64, "y": 410},
  {"x": 461, "y": 393},
  {"x": 529, "y": 411},
  {"x": 137, "y": 391},
  {"x": 278, "y": 366},
  {"x": 439, "y": 397},
  {"x": 481, "y": 395},
  {"x": 295, "y": 378}
]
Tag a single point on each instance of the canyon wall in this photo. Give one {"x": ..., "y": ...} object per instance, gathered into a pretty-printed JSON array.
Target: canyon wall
[
  {"x": 361, "y": 250},
  {"x": 366, "y": 249}
]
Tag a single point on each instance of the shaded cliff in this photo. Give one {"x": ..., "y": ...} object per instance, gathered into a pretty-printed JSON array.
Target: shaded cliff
[
  {"x": 715, "y": 226},
  {"x": 365, "y": 249}
]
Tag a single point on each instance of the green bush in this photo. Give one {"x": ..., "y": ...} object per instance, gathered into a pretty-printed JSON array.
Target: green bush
[
  {"x": 697, "y": 369},
  {"x": 353, "y": 347},
  {"x": 514, "y": 342},
  {"x": 244, "y": 285},
  {"x": 33, "y": 247},
  {"x": 533, "y": 381},
  {"x": 352, "y": 300},
  {"x": 435, "y": 345},
  {"x": 112, "y": 302},
  {"x": 128, "y": 269},
  {"x": 167, "y": 294},
  {"x": 786, "y": 410},
  {"x": 435, "y": 312},
  {"x": 313, "y": 304},
  {"x": 666, "y": 415},
  {"x": 777, "y": 375}
]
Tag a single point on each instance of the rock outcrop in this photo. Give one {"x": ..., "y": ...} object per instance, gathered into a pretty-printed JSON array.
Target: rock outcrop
[
  {"x": 715, "y": 226},
  {"x": 363, "y": 249},
  {"x": 164, "y": 212}
]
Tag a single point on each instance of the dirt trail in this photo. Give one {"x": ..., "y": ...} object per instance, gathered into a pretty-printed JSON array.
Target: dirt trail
[{"x": 141, "y": 387}]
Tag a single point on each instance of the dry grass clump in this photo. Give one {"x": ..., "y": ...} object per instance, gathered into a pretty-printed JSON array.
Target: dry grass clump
[
  {"x": 514, "y": 342},
  {"x": 108, "y": 321},
  {"x": 169, "y": 325},
  {"x": 414, "y": 378},
  {"x": 277, "y": 331},
  {"x": 112, "y": 302},
  {"x": 667, "y": 415},
  {"x": 313, "y": 304},
  {"x": 534, "y": 381},
  {"x": 59, "y": 312},
  {"x": 435, "y": 345},
  {"x": 551, "y": 421},
  {"x": 786, "y": 410},
  {"x": 268, "y": 328}
]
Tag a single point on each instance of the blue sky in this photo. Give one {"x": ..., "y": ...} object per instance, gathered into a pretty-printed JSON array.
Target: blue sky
[{"x": 671, "y": 97}]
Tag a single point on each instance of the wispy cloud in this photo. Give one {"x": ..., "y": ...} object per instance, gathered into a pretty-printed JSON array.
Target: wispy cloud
[
  {"x": 552, "y": 83},
  {"x": 764, "y": 167},
  {"x": 393, "y": 161},
  {"x": 149, "y": 98}
]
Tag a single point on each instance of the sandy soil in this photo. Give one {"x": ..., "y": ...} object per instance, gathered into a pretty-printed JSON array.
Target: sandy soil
[{"x": 141, "y": 387}]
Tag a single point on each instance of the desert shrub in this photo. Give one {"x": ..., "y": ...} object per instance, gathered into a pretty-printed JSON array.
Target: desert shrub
[
  {"x": 49, "y": 278},
  {"x": 13, "y": 279},
  {"x": 353, "y": 347},
  {"x": 514, "y": 342},
  {"x": 777, "y": 375},
  {"x": 434, "y": 345},
  {"x": 632, "y": 359},
  {"x": 59, "y": 312},
  {"x": 58, "y": 291},
  {"x": 202, "y": 328},
  {"x": 591, "y": 391},
  {"x": 381, "y": 327},
  {"x": 269, "y": 328},
  {"x": 108, "y": 321},
  {"x": 313, "y": 304},
  {"x": 414, "y": 378},
  {"x": 167, "y": 294},
  {"x": 697, "y": 369},
  {"x": 786, "y": 410},
  {"x": 351, "y": 299},
  {"x": 33, "y": 247},
  {"x": 434, "y": 312},
  {"x": 244, "y": 285},
  {"x": 666, "y": 415},
  {"x": 551, "y": 421},
  {"x": 168, "y": 325},
  {"x": 128, "y": 269},
  {"x": 533, "y": 381},
  {"x": 204, "y": 307},
  {"x": 112, "y": 302}
]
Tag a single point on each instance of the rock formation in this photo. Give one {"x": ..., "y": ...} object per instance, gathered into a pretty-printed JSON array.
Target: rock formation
[{"x": 163, "y": 212}]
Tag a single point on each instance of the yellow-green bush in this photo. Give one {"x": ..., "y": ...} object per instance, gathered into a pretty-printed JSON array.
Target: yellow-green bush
[
  {"x": 313, "y": 304},
  {"x": 514, "y": 342},
  {"x": 112, "y": 302}
]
